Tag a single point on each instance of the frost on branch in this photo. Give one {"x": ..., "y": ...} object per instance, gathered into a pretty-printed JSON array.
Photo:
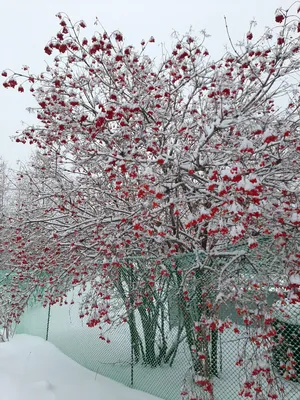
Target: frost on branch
[{"x": 162, "y": 160}]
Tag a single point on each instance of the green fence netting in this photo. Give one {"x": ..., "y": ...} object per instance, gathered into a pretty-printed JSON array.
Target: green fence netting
[{"x": 152, "y": 350}]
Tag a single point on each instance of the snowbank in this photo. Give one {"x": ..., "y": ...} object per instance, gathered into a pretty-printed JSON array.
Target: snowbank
[{"x": 33, "y": 369}]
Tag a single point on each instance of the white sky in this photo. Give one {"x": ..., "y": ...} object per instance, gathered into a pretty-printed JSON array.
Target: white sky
[{"x": 27, "y": 25}]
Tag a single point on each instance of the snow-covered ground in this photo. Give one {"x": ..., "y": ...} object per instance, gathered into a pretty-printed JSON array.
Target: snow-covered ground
[
  {"x": 33, "y": 369},
  {"x": 82, "y": 344}
]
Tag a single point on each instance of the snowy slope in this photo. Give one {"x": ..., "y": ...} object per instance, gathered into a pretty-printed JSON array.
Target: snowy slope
[{"x": 33, "y": 369}]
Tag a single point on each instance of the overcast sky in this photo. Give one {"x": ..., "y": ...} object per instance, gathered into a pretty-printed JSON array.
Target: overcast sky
[{"x": 27, "y": 25}]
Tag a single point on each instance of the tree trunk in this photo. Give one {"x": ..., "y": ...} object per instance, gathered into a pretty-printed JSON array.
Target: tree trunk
[
  {"x": 134, "y": 337},
  {"x": 149, "y": 336}
]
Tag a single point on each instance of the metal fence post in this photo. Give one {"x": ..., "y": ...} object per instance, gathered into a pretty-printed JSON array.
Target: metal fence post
[
  {"x": 48, "y": 322},
  {"x": 131, "y": 366}
]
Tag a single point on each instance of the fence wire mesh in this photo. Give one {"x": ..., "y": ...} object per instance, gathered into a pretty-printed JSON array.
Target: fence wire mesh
[{"x": 163, "y": 340}]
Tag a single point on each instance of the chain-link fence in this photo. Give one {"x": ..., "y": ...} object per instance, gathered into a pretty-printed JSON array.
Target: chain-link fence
[
  {"x": 189, "y": 315},
  {"x": 10, "y": 286}
]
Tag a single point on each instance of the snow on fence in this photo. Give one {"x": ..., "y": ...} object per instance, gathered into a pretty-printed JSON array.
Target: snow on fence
[{"x": 154, "y": 350}]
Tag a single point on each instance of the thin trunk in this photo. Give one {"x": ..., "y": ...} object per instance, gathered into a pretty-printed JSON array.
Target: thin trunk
[
  {"x": 164, "y": 346},
  {"x": 171, "y": 354},
  {"x": 149, "y": 336},
  {"x": 134, "y": 336}
]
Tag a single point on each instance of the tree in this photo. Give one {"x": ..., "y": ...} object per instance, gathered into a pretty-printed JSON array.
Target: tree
[
  {"x": 188, "y": 156},
  {"x": 13, "y": 297}
]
